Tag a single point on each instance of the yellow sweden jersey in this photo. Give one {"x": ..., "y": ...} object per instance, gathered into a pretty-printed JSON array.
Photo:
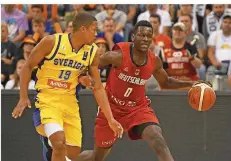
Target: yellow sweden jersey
[{"x": 58, "y": 72}]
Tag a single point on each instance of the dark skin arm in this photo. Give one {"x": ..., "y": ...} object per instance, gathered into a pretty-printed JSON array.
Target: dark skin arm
[
  {"x": 37, "y": 55},
  {"x": 115, "y": 58},
  {"x": 167, "y": 82},
  {"x": 111, "y": 57},
  {"x": 101, "y": 97}
]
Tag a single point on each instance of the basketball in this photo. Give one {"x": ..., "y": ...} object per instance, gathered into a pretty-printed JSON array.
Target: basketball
[{"x": 201, "y": 97}]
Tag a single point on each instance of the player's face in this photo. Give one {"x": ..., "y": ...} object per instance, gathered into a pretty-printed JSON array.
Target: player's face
[
  {"x": 219, "y": 9},
  {"x": 91, "y": 33},
  {"x": 226, "y": 25},
  {"x": 186, "y": 21},
  {"x": 143, "y": 38},
  {"x": 178, "y": 34},
  {"x": 39, "y": 28},
  {"x": 155, "y": 23}
]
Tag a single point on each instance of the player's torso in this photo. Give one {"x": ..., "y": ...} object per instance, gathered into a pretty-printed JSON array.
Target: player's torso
[
  {"x": 58, "y": 72},
  {"x": 179, "y": 65},
  {"x": 126, "y": 84}
]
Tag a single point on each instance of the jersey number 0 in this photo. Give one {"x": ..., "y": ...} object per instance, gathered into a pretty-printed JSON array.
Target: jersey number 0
[{"x": 128, "y": 92}]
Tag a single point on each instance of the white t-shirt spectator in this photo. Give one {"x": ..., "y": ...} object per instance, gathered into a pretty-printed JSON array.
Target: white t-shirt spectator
[
  {"x": 10, "y": 85},
  {"x": 164, "y": 15},
  {"x": 222, "y": 45}
]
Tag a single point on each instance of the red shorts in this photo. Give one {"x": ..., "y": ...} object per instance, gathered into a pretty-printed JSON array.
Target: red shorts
[{"x": 128, "y": 117}]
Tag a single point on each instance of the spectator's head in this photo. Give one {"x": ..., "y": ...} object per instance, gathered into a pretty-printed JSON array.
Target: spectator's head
[
  {"x": 103, "y": 47},
  {"x": 69, "y": 26},
  {"x": 155, "y": 21},
  {"x": 219, "y": 9},
  {"x": 19, "y": 66},
  {"x": 4, "y": 35},
  {"x": 142, "y": 35},
  {"x": 186, "y": 19},
  {"x": 38, "y": 25},
  {"x": 186, "y": 8},
  {"x": 85, "y": 25},
  {"x": 152, "y": 8},
  {"x": 28, "y": 45},
  {"x": 109, "y": 25},
  {"x": 178, "y": 31},
  {"x": 77, "y": 7},
  {"x": 37, "y": 10},
  {"x": 109, "y": 6},
  {"x": 9, "y": 8},
  {"x": 226, "y": 25}
]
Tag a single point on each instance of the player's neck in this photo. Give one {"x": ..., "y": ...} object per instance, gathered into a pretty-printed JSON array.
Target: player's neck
[
  {"x": 138, "y": 53},
  {"x": 75, "y": 41}
]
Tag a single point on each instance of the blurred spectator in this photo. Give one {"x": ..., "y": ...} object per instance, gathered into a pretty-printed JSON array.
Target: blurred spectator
[
  {"x": 200, "y": 43},
  {"x": 109, "y": 32},
  {"x": 165, "y": 17},
  {"x": 190, "y": 9},
  {"x": 229, "y": 76},
  {"x": 180, "y": 59},
  {"x": 130, "y": 10},
  {"x": 76, "y": 9},
  {"x": 159, "y": 39},
  {"x": 119, "y": 17},
  {"x": 103, "y": 48},
  {"x": 14, "y": 83},
  {"x": 37, "y": 11},
  {"x": 8, "y": 53},
  {"x": 198, "y": 39},
  {"x": 92, "y": 8},
  {"x": 219, "y": 45},
  {"x": 16, "y": 21},
  {"x": 69, "y": 26},
  {"x": 27, "y": 46},
  {"x": 39, "y": 28},
  {"x": 212, "y": 22}
]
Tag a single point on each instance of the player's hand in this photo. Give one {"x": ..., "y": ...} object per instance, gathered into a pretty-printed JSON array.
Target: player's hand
[
  {"x": 87, "y": 81},
  {"x": 22, "y": 104},
  {"x": 116, "y": 127},
  {"x": 205, "y": 82}
]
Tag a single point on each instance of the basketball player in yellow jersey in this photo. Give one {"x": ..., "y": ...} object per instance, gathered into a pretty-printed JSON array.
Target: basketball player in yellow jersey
[{"x": 61, "y": 58}]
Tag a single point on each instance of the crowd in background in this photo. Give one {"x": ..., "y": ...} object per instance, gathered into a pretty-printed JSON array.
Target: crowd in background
[{"x": 207, "y": 27}]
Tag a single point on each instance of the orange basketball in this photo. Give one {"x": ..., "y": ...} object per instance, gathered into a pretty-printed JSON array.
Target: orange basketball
[{"x": 201, "y": 97}]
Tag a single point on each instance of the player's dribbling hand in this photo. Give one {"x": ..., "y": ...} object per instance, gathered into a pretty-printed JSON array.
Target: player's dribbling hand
[
  {"x": 116, "y": 127},
  {"x": 22, "y": 104}
]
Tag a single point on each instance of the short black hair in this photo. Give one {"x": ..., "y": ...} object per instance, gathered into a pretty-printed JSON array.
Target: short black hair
[
  {"x": 82, "y": 19},
  {"x": 156, "y": 16},
  {"x": 39, "y": 6},
  {"x": 227, "y": 17},
  {"x": 142, "y": 23}
]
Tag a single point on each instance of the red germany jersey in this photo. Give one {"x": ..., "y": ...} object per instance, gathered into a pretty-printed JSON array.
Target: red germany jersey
[{"x": 126, "y": 84}]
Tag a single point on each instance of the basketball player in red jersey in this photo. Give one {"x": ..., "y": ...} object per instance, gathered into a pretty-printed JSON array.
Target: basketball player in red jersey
[{"x": 132, "y": 65}]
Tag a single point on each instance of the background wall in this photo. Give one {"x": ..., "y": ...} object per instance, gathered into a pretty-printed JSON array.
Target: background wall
[{"x": 191, "y": 135}]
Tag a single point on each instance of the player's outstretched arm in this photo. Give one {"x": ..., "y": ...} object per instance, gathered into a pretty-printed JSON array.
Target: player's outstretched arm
[
  {"x": 36, "y": 56},
  {"x": 102, "y": 99},
  {"x": 111, "y": 58},
  {"x": 167, "y": 82}
]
